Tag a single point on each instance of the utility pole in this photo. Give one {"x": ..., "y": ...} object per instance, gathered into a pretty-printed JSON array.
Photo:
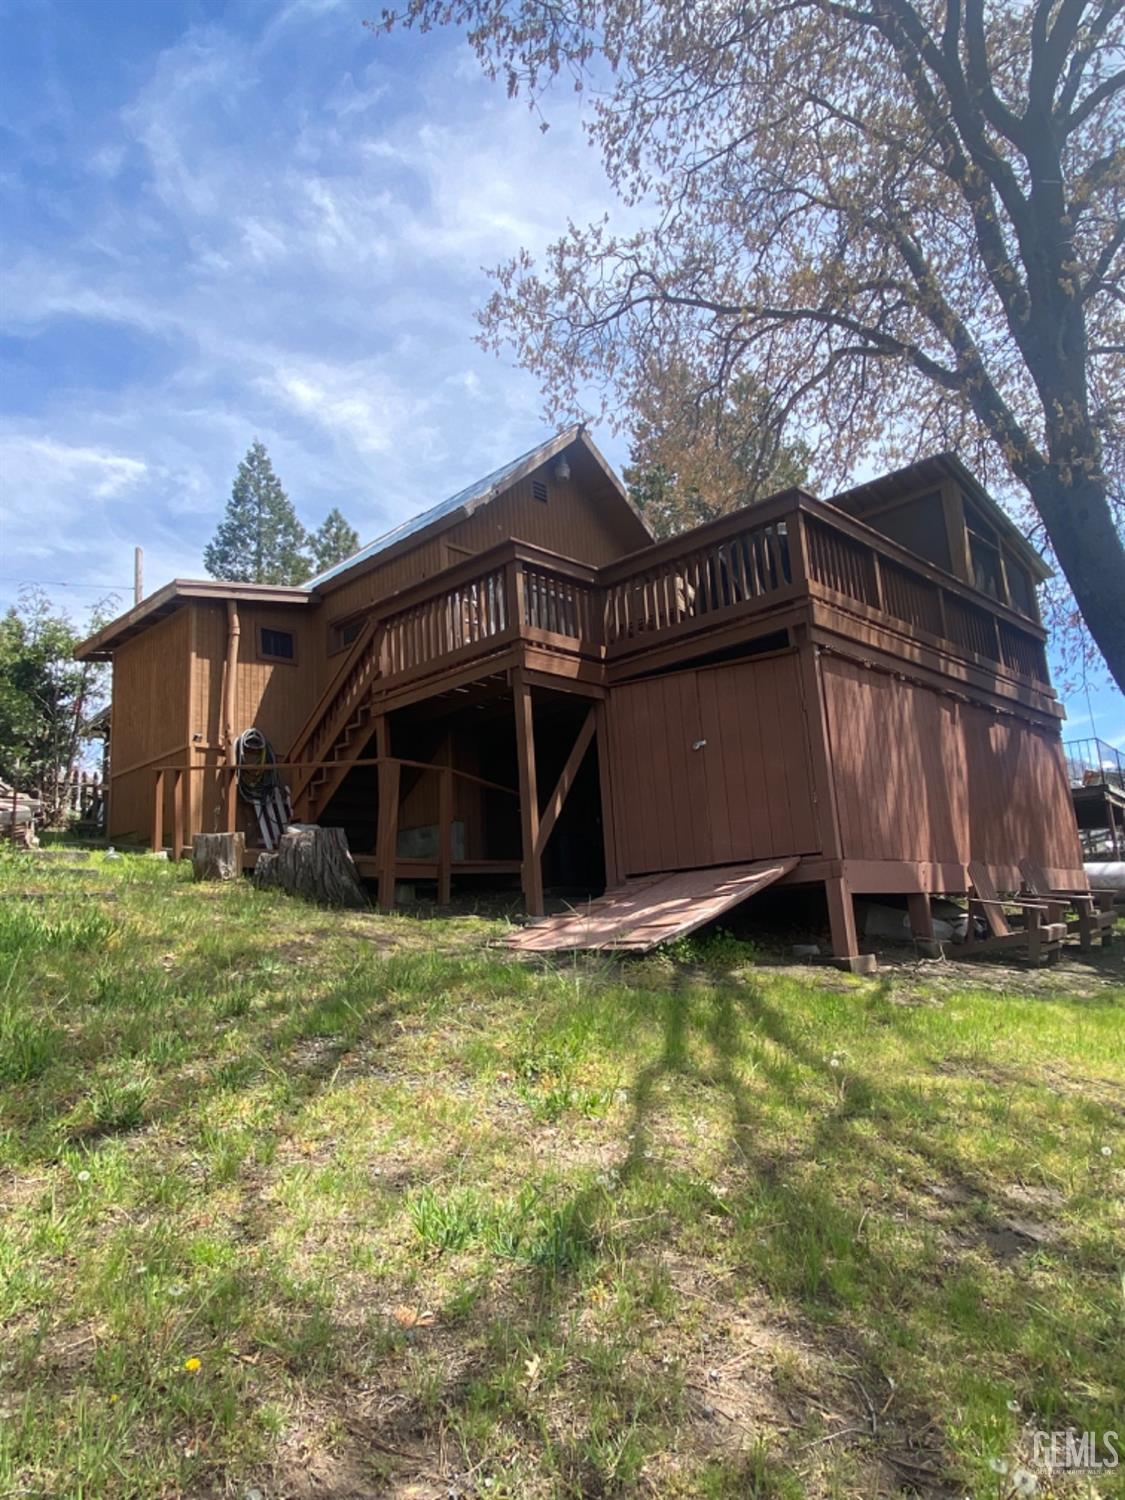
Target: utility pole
[{"x": 138, "y": 574}]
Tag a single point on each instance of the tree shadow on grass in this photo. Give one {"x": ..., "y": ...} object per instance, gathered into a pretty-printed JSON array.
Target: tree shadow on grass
[
  {"x": 787, "y": 1227},
  {"x": 701, "y": 1043}
]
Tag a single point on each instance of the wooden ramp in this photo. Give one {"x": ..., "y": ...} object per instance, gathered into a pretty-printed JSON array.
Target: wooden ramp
[{"x": 652, "y": 909}]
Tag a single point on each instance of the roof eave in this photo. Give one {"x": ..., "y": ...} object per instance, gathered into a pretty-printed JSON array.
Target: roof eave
[{"x": 101, "y": 645}]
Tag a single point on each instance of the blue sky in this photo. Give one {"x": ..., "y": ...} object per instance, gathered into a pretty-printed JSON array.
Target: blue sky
[{"x": 221, "y": 220}]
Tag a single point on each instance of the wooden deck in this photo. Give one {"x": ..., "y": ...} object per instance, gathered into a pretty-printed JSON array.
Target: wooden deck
[
  {"x": 744, "y": 568},
  {"x": 790, "y": 563}
]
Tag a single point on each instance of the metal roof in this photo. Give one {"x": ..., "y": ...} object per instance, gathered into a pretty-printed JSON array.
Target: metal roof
[{"x": 464, "y": 499}]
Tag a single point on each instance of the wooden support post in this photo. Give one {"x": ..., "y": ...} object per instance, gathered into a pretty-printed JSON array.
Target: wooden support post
[
  {"x": 230, "y": 799},
  {"x": 877, "y": 580},
  {"x": 609, "y": 825},
  {"x": 922, "y": 924},
  {"x": 841, "y": 917},
  {"x": 557, "y": 799},
  {"x": 158, "y": 814},
  {"x": 387, "y": 838},
  {"x": 529, "y": 795},
  {"x": 178, "y": 780},
  {"x": 445, "y": 835}
]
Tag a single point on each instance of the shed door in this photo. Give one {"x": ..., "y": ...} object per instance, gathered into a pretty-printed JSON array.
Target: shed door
[{"x": 745, "y": 793}]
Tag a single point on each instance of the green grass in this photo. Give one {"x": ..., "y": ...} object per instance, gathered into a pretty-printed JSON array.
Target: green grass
[{"x": 343, "y": 1204}]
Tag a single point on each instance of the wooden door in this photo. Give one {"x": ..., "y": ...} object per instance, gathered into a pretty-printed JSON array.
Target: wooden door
[
  {"x": 711, "y": 767},
  {"x": 659, "y": 781}
]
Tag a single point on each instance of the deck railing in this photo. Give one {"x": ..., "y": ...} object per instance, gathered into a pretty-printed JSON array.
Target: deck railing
[
  {"x": 745, "y": 563},
  {"x": 470, "y": 613},
  {"x": 729, "y": 569},
  {"x": 1094, "y": 762},
  {"x": 846, "y": 559}
]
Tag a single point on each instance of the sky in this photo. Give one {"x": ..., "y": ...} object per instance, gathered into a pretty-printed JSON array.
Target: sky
[{"x": 228, "y": 219}]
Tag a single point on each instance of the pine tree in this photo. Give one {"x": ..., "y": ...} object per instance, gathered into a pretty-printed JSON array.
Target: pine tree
[
  {"x": 335, "y": 541},
  {"x": 260, "y": 539}
]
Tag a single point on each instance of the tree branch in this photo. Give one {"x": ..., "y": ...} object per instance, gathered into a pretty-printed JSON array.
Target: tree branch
[{"x": 1093, "y": 101}]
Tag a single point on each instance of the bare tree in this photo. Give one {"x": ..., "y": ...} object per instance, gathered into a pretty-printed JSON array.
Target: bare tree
[{"x": 902, "y": 217}]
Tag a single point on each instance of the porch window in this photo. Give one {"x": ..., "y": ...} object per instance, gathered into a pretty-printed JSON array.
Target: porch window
[{"x": 984, "y": 553}]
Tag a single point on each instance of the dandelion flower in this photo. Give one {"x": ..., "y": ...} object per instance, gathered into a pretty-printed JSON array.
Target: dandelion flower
[
  {"x": 1107, "y": 1150},
  {"x": 114, "y": 1398},
  {"x": 998, "y": 1465},
  {"x": 192, "y": 1364},
  {"x": 1024, "y": 1482}
]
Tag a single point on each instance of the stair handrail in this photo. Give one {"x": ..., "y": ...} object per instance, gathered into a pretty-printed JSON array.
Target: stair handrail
[
  {"x": 339, "y": 711},
  {"x": 336, "y": 710},
  {"x": 339, "y": 677}
]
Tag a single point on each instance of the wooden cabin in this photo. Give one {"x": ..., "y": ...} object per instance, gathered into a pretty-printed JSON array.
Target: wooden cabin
[{"x": 522, "y": 683}]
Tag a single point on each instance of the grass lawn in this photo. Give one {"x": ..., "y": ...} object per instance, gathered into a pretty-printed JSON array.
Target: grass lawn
[{"x": 301, "y": 1204}]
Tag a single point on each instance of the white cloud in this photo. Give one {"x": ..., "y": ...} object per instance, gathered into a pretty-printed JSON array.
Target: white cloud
[
  {"x": 353, "y": 402},
  {"x": 57, "y": 472},
  {"x": 289, "y": 227}
]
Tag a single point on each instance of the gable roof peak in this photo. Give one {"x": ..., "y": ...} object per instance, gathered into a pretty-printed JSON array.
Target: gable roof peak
[{"x": 465, "y": 501}]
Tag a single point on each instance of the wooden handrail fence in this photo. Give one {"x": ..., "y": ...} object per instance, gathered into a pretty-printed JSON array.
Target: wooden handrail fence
[
  {"x": 748, "y": 561},
  {"x": 390, "y": 774}
]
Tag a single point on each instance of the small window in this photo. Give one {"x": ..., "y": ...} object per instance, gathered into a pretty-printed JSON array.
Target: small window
[
  {"x": 276, "y": 645},
  {"x": 343, "y": 634},
  {"x": 539, "y": 490},
  {"x": 986, "y": 567}
]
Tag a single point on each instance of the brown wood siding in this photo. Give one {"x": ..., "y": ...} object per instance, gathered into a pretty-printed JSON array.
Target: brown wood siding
[
  {"x": 923, "y": 776},
  {"x": 150, "y": 721},
  {"x": 571, "y": 522},
  {"x": 376, "y": 582},
  {"x": 274, "y": 696},
  {"x": 131, "y": 801},
  {"x": 744, "y": 794},
  {"x": 150, "y": 686}
]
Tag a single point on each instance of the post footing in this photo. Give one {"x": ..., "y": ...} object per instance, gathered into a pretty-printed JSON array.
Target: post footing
[{"x": 852, "y": 963}]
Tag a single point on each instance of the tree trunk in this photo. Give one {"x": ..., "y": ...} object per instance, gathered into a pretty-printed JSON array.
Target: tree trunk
[
  {"x": 1080, "y": 525},
  {"x": 315, "y": 863},
  {"x": 217, "y": 856}
]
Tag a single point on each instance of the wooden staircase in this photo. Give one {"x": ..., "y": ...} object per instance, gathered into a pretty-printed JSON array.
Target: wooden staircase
[{"x": 335, "y": 733}]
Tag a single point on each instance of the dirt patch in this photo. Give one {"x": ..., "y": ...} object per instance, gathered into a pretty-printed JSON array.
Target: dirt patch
[{"x": 1076, "y": 975}]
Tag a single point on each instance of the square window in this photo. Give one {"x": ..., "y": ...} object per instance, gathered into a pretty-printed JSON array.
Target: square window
[{"x": 276, "y": 645}]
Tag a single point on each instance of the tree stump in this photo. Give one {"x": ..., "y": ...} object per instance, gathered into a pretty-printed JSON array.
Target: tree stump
[
  {"x": 315, "y": 863},
  {"x": 217, "y": 856}
]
